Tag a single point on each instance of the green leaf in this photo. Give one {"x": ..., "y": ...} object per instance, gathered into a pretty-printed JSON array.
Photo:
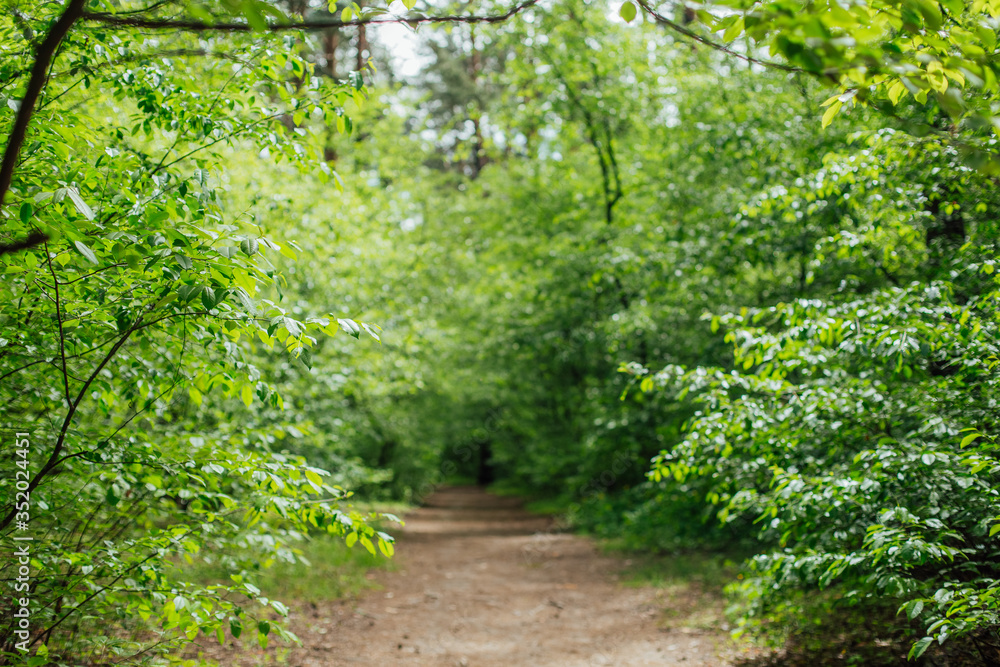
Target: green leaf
[
  {"x": 350, "y": 326},
  {"x": 86, "y": 251},
  {"x": 931, "y": 12},
  {"x": 896, "y": 92},
  {"x": 386, "y": 548},
  {"x": 733, "y": 31},
  {"x": 208, "y": 298},
  {"x": 80, "y": 205},
  {"x": 919, "y": 648},
  {"x": 26, "y": 211},
  {"x": 313, "y": 477},
  {"x": 627, "y": 11},
  {"x": 967, "y": 440},
  {"x": 246, "y": 394},
  {"x": 831, "y": 112},
  {"x": 995, "y": 529},
  {"x": 253, "y": 15},
  {"x": 188, "y": 292},
  {"x": 351, "y": 540},
  {"x": 286, "y": 251},
  {"x": 249, "y": 247}
]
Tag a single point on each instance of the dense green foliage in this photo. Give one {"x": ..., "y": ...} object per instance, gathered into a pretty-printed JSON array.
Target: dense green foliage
[
  {"x": 126, "y": 338},
  {"x": 681, "y": 289}
]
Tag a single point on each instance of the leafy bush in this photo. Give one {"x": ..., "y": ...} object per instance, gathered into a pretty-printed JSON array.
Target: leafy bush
[{"x": 851, "y": 435}]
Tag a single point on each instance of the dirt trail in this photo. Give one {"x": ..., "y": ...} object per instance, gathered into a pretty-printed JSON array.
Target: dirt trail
[{"x": 483, "y": 583}]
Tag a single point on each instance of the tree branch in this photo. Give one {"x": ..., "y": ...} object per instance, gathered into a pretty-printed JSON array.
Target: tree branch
[
  {"x": 74, "y": 12},
  {"x": 68, "y": 420},
  {"x": 36, "y": 83},
  {"x": 605, "y": 156},
  {"x": 690, "y": 34},
  {"x": 30, "y": 241},
  {"x": 323, "y": 24}
]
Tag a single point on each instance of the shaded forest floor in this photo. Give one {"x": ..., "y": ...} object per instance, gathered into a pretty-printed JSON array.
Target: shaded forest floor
[{"x": 481, "y": 582}]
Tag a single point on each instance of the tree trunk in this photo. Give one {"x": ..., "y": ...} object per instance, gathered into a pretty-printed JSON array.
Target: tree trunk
[
  {"x": 485, "y": 474},
  {"x": 362, "y": 44},
  {"x": 330, "y": 42}
]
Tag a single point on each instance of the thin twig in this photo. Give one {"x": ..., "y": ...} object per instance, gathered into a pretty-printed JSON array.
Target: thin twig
[{"x": 59, "y": 322}]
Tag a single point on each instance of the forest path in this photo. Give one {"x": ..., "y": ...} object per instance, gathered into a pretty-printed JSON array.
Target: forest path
[{"x": 483, "y": 583}]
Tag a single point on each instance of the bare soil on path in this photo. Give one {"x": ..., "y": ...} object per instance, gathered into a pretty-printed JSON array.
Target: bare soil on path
[{"x": 483, "y": 583}]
